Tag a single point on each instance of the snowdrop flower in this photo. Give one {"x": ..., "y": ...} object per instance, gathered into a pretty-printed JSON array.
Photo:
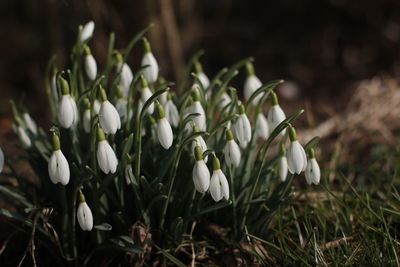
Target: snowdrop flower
[
  {"x": 87, "y": 31},
  {"x": 199, "y": 141},
  {"x": 275, "y": 114},
  {"x": 196, "y": 107},
  {"x": 296, "y": 156},
  {"x": 282, "y": 164},
  {"x": 231, "y": 150},
  {"x": 201, "y": 75},
  {"x": 96, "y": 106},
  {"x": 1, "y": 160},
  {"x": 164, "y": 131},
  {"x": 219, "y": 187},
  {"x": 106, "y": 157},
  {"x": 126, "y": 78},
  {"x": 251, "y": 84},
  {"x": 30, "y": 123},
  {"x": 171, "y": 111},
  {"x": 67, "y": 113},
  {"x": 262, "y": 129},
  {"x": 23, "y": 137},
  {"x": 201, "y": 174},
  {"x": 146, "y": 94},
  {"x": 58, "y": 165},
  {"x": 312, "y": 173},
  {"x": 151, "y": 72},
  {"x": 242, "y": 127},
  {"x": 108, "y": 115},
  {"x": 84, "y": 214},
  {"x": 122, "y": 104},
  {"x": 90, "y": 65},
  {"x": 225, "y": 100}
]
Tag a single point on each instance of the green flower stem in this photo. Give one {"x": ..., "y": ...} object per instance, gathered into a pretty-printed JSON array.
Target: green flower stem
[{"x": 233, "y": 196}]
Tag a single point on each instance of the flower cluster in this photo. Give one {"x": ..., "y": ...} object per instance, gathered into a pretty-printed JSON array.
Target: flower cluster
[{"x": 119, "y": 131}]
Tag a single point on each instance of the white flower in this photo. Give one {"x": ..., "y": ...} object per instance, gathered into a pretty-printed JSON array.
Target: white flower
[
  {"x": 242, "y": 128},
  {"x": 200, "y": 120},
  {"x": 275, "y": 114},
  {"x": 296, "y": 156},
  {"x": 171, "y": 113},
  {"x": 203, "y": 79},
  {"x": 231, "y": 150},
  {"x": 225, "y": 100},
  {"x": 164, "y": 133},
  {"x": 199, "y": 141},
  {"x": 96, "y": 106},
  {"x": 86, "y": 121},
  {"x": 58, "y": 168},
  {"x": 122, "y": 107},
  {"x": 87, "y": 31},
  {"x": 262, "y": 129},
  {"x": 219, "y": 187},
  {"x": 30, "y": 123},
  {"x": 146, "y": 94},
  {"x": 67, "y": 111},
  {"x": 23, "y": 137},
  {"x": 1, "y": 160},
  {"x": 106, "y": 158},
  {"x": 151, "y": 72},
  {"x": 251, "y": 84},
  {"x": 201, "y": 174},
  {"x": 90, "y": 67},
  {"x": 282, "y": 168},
  {"x": 163, "y": 98},
  {"x": 108, "y": 115},
  {"x": 126, "y": 78},
  {"x": 84, "y": 216},
  {"x": 313, "y": 172}
]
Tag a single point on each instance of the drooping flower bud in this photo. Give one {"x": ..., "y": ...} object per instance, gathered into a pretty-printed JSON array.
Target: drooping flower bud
[
  {"x": 106, "y": 157},
  {"x": 90, "y": 64},
  {"x": 231, "y": 150},
  {"x": 30, "y": 123},
  {"x": 296, "y": 156},
  {"x": 58, "y": 166},
  {"x": 251, "y": 84},
  {"x": 275, "y": 114},
  {"x": 201, "y": 174},
  {"x": 87, "y": 31},
  {"x": 164, "y": 131},
  {"x": 67, "y": 113},
  {"x": 312, "y": 172},
  {"x": 242, "y": 127},
  {"x": 108, "y": 115},
  {"x": 262, "y": 129},
  {"x": 84, "y": 214},
  {"x": 219, "y": 187},
  {"x": 151, "y": 72}
]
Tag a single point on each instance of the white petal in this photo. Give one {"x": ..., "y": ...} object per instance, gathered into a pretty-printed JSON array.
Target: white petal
[
  {"x": 30, "y": 123},
  {"x": 242, "y": 130},
  {"x": 313, "y": 172},
  {"x": 62, "y": 171},
  {"x": 87, "y": 31},
  {"x": 203, "y": 79},
  {"x": 251, "y": 84},
  {"x": 151, "y": 72},
  {"x": 262, "y": 129},
  {"x": 122, "y": 107},
  {"x": 215, "y": 187},
  {"x": 225, "y": 100},
  {"x": 224, "y": 184},
  {"x": 275, "y": 117},
  {"x": 90, "y": 67},
  {"x": 65, "y": 112},
  {"x": 201, "y": 176},
  {"x": 102, "y": 156},
  {"x": 112, "y": 161},
  {"x": 164, "y": 133},
  {"x": 232, "y": 153},
  {"x": 295, "y": 157},
  {"x": 283, "y": 168},
  {"x": 85, "y": 217},
  {"x": 52, "y": 168},
  {"x": 199, "y": 141},
  {"x": 146, "y": 94},
  {"x": 109, "y": 118},
  {"x": 23, "y": 137},
  {"x": 171, "y": 113},
  {"x": 126, "y": 78}
]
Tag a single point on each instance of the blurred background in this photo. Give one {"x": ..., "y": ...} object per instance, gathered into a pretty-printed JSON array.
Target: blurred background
[{"x": 340, "y": 58}]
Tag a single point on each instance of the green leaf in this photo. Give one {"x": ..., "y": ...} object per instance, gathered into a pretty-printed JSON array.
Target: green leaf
[
  {"x": 312, "y": 143},
  {"x": 103, "y": 227},
  {"x": 188, "y": 69},
  {"x": 14, "y": 195},
  {"x": 264, "y": 89},
  {"x": 134, "y": 40},
  {"x": 212, "y": 208},
  {"x": 170, "y": 257}
]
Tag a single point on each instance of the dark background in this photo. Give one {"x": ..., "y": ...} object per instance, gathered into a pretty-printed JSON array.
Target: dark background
[{"x": 322, "y": 47}]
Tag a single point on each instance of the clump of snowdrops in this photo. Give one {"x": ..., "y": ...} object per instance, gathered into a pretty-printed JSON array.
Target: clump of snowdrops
[{"x": 132, "y": 154}]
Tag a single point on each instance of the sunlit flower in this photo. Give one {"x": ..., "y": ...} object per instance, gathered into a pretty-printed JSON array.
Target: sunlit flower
[
  {"x": 151, "y": 72},
  {"x": 30, "y": 123},
  {"x": 58, "y": 166},
  {"x": 219, "y": 187},
  {"x": 87, "y": 31},
  {"x": 90, "y": 64},
  {"x": 108, "y": 115},
  {"x": 67, "y": 114},
  {"x": 106, "y": 157},
  {"x": 262, "y": 129},
  {"x": 171, "y": 112},
  {"x": 125, "y": 78},
  {"x": 312, "y": 172},
  {"x": 242, "y": 127},
  {"x": 251, "y": 84},
  {"x": 84, "y": 214},
  {"x": 199, "y": 141},
  {"x": 231, "y": 150},
  {"x": 164, "y": 131},
  {"x": 275, "y": 114},
  {"x": 282, "y": 164},
  {"x": 201, "y": 174},
  {"x": 296, "y": 156}
]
